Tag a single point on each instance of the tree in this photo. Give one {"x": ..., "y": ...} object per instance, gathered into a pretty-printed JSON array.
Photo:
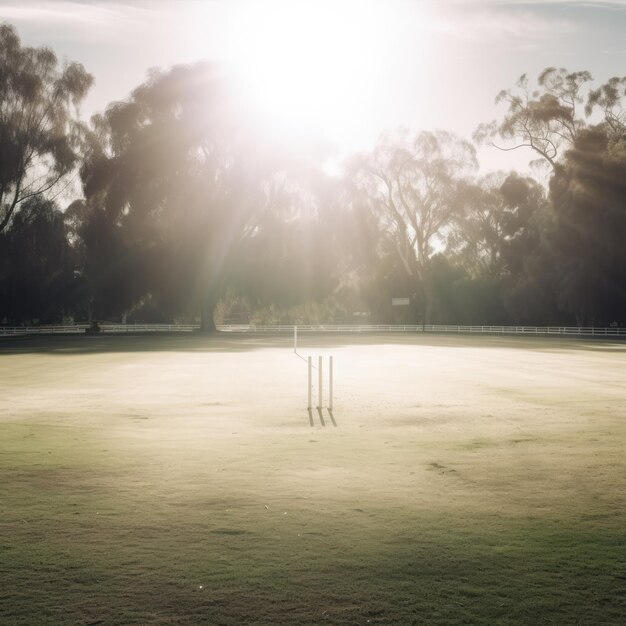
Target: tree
[
  {"x": 476, "y": 239},
  {"x": 187, "y": 173},
  {"x": 550, "y": 118},
  {"x": 411, "y": 183},
  {"x": 565, "y": 261},
  {"x": 608, "y": 98},
  {"x": 39, "y": 130},
  {"x": 589, "y": 221},
  {"x": 36, "y": 265},
  {"x": 500, "y": 210},
  {"x": 497, "y": 241},
  {"x": 542, "y": 119},
  {"x": 168, "y": 166},
  {"x": 113, "y": 265}
]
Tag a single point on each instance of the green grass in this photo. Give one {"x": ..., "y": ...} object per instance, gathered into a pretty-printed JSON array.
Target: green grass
[{"x": 126, "y": 499}]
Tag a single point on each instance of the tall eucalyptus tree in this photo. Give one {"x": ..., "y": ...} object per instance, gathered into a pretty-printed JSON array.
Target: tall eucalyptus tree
[
  {"x": 412, "y": 182},
  {"x": 40, "y": 134}
]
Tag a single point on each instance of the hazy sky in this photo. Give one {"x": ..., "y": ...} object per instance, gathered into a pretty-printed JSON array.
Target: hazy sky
[{"x": 351, "y": 68}]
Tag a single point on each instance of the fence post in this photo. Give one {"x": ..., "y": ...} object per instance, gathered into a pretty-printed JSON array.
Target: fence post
[
  {"x": 321, "y": 382},
  {"x": 330, "y": 383},
  {"x": 310, "y": 381}
]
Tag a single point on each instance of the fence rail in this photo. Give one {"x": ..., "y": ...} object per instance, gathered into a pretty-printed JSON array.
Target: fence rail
[
  {"x": 74, "y": 329},
  {"x": 612, "y": 331},
  {"x": 581, "y": 331}
]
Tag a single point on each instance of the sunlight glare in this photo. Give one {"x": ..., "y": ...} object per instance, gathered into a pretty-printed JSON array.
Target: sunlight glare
[{"x": 309, "y": 64}]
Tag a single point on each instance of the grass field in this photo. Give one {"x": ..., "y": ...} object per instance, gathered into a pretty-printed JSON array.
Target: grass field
[{"x": 178, "y": 480}]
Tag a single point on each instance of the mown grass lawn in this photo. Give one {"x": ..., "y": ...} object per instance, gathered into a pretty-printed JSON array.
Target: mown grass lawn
[{"x": 177, "y": 480}]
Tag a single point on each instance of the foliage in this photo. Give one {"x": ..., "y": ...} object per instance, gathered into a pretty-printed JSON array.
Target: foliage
[
  {"x": 411, "y": 182},
  {"x": 608, "y": 98},
  {"x": 586, "y": 239},
  {"x": 39, "y": 134},
  {"x": 166, "y": 172},
  {"x": 543, "y": 119},
  {"x": 36, "y": 265},
  {"x": 491, "y": 234}
]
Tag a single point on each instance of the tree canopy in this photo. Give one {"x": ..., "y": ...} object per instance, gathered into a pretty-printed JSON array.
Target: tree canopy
[
  {"x": 550, "y": 118},
  {"x": 168, "y": 171},
  {"x": 411, "y": 182},
  {"x": 40, "y": 135},
  {"x": 589, "y": 221}
]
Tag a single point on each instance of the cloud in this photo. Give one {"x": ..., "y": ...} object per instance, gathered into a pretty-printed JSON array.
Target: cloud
[
  {"x": 59, "y": 12},
  {"x": 520, "y": 24},
  {"x": 74, "y": 20},
  {"x": 597, "y": 4},
  {"x": 494, "y": 22}
]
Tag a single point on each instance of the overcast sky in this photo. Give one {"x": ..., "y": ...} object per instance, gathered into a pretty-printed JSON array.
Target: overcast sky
[{"x": 363, "y": 66}]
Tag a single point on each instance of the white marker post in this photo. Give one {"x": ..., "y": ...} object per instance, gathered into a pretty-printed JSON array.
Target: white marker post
[
  {"x": 319, "y": 363},
  {"x": 295, "y": 339},
  {"x": 310, "y": 380},
  {"x": 330, "y": 383}
]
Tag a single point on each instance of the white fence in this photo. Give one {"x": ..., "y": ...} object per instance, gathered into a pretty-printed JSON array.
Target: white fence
[
  {"x": 74, "y": 329},
  {"x": 588, "y": 331},
  {"x": 591, "y": 331}
]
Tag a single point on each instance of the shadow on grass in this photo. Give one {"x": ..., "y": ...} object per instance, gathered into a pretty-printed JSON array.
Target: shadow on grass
[
  {"x": 243, "y": 342},
  {"x": 320, "y": 413},
  {"x": 69, "y": 345}
]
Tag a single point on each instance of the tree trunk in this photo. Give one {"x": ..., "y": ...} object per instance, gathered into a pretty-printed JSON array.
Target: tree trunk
[
  {"x": 428, "y": 312},
  {"x": 424, "y": 298},
  {"x": 207, "y": 307}
]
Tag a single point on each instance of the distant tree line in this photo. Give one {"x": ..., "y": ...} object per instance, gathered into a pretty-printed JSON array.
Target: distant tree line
[{"x": 190, "y": 210}]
